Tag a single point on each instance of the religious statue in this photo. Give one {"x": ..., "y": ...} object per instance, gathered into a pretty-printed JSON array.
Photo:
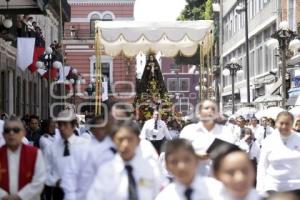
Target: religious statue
[{"x": 152, "y": 80}]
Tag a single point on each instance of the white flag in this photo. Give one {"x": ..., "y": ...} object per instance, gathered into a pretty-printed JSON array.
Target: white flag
[
  {"x": 25, "y": 49},
  {"x": 63, "y": 73},
  {"x": 104, "y": 91},
  {"x": 42, "y": 71}
]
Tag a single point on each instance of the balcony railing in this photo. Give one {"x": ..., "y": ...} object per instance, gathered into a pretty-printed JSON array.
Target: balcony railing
[
  {"x": 75, "y": 33},
  {"x": 31, "y": 7}
]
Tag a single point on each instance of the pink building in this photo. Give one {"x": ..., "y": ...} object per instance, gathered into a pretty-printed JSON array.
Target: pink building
[{"x": 79, "y": 42}]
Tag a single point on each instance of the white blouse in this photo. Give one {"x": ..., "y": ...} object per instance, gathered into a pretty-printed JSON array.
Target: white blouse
[{"x": 279, "y": 163}]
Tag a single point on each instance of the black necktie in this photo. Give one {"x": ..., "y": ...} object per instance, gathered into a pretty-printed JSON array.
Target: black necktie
[
  {"x": 155, "y": 124},
  {"x": 265, "y": 133},
  {"x": 132, "y": 190},
  {"x": 188, "y": 193},
  {"x": 66, "y": 150}
]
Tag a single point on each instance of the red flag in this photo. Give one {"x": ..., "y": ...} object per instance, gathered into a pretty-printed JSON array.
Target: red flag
[
  {"x": 53, "y": 74},
  {"x": 68, "y": 86},
  {"x": 38, "y": 51}
]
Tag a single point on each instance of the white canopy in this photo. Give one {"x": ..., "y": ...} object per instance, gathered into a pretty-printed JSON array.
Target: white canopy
[{"x": 169, "y": 38}]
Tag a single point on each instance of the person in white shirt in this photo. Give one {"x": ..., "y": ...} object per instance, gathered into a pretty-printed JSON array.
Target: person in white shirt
[
  {"x": 262, "y": 133},
  {"x": 283, "y": 196},
  {"x": 279, "y": 163},
  {"x": 121, "y": 112},
  {"x": 203, "y": 133},
  {"x": 235, "y": 170},
  {"x": 256, "y": 128},
  {"x": 240, "y": 124},
  {"x": 249, "y": 144},
  {"x": 156, "y": 131},
  {"x": 48, "y": 132},
  {"x": 128, "y": 175},
  {"x": 182, "y": 162},
  {"x": 86, "y": 160},
  {"x": 22, "y": 169},
  {"x": 59, "y": 154},
  {"x": 297, "y": 124}
]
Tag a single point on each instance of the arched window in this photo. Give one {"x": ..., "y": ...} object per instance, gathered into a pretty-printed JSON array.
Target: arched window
[
  {"x": 93, "y": 19},
  {"x": 107, "y": 17}
]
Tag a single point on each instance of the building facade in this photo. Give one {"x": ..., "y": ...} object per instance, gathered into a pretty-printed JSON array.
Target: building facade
[
  {"x": 79, "y": 45},
  {"x": 263, "y": 20},
  {"x": 23, "y": 92}
]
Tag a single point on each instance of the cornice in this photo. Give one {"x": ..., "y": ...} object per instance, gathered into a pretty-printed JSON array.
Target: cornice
[{"x": 100, "y": 2}]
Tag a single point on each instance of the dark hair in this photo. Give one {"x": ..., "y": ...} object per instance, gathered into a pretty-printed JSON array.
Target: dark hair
[
  {"x": 95, "y": 120},
  {"x": 45, "y": 124},
  {"x": 129, "y": 125},
  {"x": 172, "y": 146},
  {"x": 243, "y": 131},
  {"x": 285, "y": 113},
  {"x": 33, "y": 117},
  {"x": 220, "y": 153}
]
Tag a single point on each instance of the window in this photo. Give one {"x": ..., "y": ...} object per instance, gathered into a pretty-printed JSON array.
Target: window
[
  {"x": 184, "y": 105},
  {"x": 107, "y": 17},
  {"x": 184, "y": 84},
  {"x": 267, "y": 66},
  {"x": 107, "y": 69},
  {"x": 251, "y": 63},
  {"x": 235, "y": 23},
  {"x": 94, "y": 18},
  {"x": 240, "y": 74},
  {"x": 172, "y": 84},
  {"x": 260, "y": 64}
]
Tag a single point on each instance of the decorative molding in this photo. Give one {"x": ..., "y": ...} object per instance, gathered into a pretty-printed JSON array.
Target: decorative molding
[
  {"x": 77, "y": 47},
  {"x": 82, "y": 19},
  {"x": 100, "y": 2}
]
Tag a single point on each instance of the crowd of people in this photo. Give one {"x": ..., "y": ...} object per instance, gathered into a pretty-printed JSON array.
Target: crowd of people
[{"x": 113, "y": 158}]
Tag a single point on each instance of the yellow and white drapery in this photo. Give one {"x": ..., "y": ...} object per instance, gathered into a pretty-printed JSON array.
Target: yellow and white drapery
[{"x": 133, "y": 37}]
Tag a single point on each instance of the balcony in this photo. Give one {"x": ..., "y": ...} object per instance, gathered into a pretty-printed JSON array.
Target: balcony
[{"x": 15, "y": 7}]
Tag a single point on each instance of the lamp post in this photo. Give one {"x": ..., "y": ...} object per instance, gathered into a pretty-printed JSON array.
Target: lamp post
[
  {"x": 75, "y": 78},
  {"x": 90, "y": 90},
  {"x": 244, "y": 9},
  {"x": 231, "y": 69},
  {"x": 284, "y": 39},
  {"x": 46, "y": 62}
]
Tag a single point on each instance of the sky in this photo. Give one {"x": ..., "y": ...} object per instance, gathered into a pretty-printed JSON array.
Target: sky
[{"x": 158, "y": 10}]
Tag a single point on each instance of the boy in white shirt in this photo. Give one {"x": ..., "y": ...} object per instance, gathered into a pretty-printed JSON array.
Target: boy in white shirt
[
  {"x": 128, "y": 175},
  {"x": 182, "y": 162}
]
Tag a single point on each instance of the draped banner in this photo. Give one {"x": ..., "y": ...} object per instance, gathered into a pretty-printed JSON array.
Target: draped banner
[
  {"x": 169, "y": 38},
  {"x": 25, "y": 50}
]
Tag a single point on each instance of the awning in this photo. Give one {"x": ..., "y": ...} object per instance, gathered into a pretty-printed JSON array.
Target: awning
[
  {"x": 169, "y": 38},
  {"x": 294, "y": 92},
  {"x": 292, "y": 101},
  {"x": 236, "y": 91},
  {"x": 272, "y": 88},
  {"x": 268, "y": 98}
]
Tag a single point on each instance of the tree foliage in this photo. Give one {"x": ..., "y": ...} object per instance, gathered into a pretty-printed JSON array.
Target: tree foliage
[{"x": 194, "y": 10}]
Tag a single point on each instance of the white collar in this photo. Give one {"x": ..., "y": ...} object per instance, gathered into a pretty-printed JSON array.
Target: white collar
[
  {"x": 16, "y": 152},
  {"x": 70, "y": 139},
  {"x": 201, "y": 127},
  {"x": 181, "y": 187}
]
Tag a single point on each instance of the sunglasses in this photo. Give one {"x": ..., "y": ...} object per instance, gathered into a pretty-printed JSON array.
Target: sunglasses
[{"x": 15, "y": 130}]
